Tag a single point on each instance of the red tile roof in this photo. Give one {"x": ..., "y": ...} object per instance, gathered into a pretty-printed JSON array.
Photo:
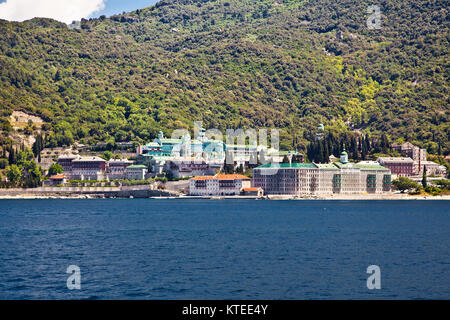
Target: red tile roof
[
  {"x": 231, "y": 177},
  {"x": 223, "y": 177},
  {"x": 251, "y": 189},
  {"x": 203, "y": 178},
  {"x": 57, "y": 177}
]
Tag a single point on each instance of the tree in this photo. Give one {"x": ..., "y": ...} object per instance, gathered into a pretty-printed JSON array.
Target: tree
[
  {"x": 55, "y": 169},
  {"x": 24, "y": 156},
  {"x": 12, "y": 155},
  {"x": 424, "y": 177},
  {"x": 14, "y": 174},
  {"x": 58, "y": 76},
  {"x": 354, "y": 149},
  {"x": 404, "y": 184},
  {"x": 385, "y": 145},
  {"x": 107, "y": 155},
  {"x": 38, "y": 145},
  {"x": 32, "y": 174},
  {"x": 3, "y": 163}
]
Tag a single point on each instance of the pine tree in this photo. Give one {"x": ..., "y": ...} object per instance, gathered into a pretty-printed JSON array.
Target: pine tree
[
  {"x": 354, "y": 149},
  {"x": 326, "y": 152},
  {"x": 368, "y": 148},
  {"x": 385, "y": 144},
  {"x": 363, "y": 148},
  {"x": 12, "y": 155},
  {"x": 424, "y": 177},
  {"x": 321, "y": 153}
]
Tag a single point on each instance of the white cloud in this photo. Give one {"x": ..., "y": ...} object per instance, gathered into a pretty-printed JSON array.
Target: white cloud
[{"x": 61, "y": 10}]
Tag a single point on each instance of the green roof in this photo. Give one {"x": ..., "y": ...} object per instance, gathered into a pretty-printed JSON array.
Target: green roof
[
  {"x": 344, "y": 165},
  {"x": 137, "y": 166},
  {"x": 287, "y": 166},
  {"x": 370, "y": 167},
  {"x": 327, "y": 166}
]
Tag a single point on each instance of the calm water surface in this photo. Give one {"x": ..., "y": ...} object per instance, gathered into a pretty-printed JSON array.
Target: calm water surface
[{"x": 219, "y": 249}]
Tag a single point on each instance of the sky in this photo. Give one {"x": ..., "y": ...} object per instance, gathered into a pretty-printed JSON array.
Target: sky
[{"x": 67, "y": 10}]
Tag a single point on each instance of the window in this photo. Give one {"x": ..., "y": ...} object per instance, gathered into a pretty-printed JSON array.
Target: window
[{"x": 371, "y": 181}]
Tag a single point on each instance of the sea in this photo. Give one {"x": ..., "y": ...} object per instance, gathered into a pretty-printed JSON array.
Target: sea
[{"x": 174, "y": 249}]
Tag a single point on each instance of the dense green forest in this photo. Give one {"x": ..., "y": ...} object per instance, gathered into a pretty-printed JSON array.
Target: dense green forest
[{"x": 287, "y": 64}]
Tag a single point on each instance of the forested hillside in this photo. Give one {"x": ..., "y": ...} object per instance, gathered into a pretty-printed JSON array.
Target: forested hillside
[{"x": 288, "y": 64}]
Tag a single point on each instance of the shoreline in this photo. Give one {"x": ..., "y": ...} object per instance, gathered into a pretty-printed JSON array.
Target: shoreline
[{"x": 383, "y": 197}]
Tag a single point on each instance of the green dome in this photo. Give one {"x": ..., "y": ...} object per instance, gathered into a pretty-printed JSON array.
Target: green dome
[{"x": 344, "y": 156}]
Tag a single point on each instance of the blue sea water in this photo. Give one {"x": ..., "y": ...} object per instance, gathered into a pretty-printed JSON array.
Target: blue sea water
[{"x": 224, "y": 249}]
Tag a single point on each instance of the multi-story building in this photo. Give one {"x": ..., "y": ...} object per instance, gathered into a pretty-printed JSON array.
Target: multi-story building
[
  {"x": 404, "y": 167},
  {"x": 212, "y": 151},
  {"x": 419, "y": 156},
  {"x": 432, "y": 168},
  {"x": 303, "y": 179},
  {"x": 88, "y": 168},
  {"x": 66, "y": 162},
  {"x": 285, "y": 178},
  {"x": 184, "y": 168},
  {"x": 167, "y": 147},
  {"x": 219, "y": 185},
  {"x": 136, "y": 172},
  {"x": 83, "y": 168},
  {"x": 116, "y": 168},
  {"x": 76, "y": 167},
  {"x": 411, "y": 151}
]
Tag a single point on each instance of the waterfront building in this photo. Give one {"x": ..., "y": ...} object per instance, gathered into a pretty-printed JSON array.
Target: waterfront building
[
  {"x": 167, "y": 147},
  {"x": 253, "y": 192},
  {"x": 116, "y": 168},
  {"x": 285, "y": 178},
  {"x": 183, "y": 168},
  {"x": 413, "y": 162},
  {"x": 76, "y": 167},
  {"x": 136, "y": 172},
  {"x": 432, "y": 168},
  {"x": 309, "y": 179},
  {"x": 404, "y": 167},
  {"x": 219, "y": 185},
  {"x": 88, "y": 168},
  {"x": 172, "y": 155},
  {"x": 66, "y": 162},
  {"x": 55, "y": 180}
]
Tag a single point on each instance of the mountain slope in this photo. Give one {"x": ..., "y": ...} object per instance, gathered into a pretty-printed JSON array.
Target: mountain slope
[{"x": 232, "y": 63}]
